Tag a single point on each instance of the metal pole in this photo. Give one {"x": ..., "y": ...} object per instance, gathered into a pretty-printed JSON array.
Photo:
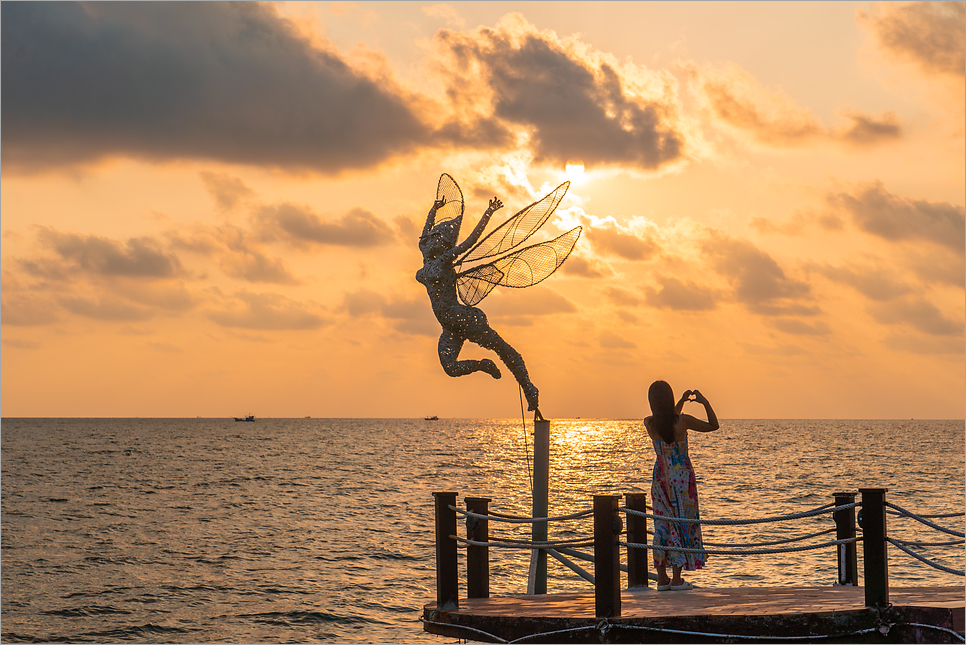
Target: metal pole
[
  {"x": 848, "y": 567},
  {"x": 636, "y": 532},
  {"x": 607, "y": 559},
  {"x": 874, "y": 534},
  {"x": 537, "y": 581},
  {"x": 447, "y": 576},
  {"x": 477, "y": 557}
]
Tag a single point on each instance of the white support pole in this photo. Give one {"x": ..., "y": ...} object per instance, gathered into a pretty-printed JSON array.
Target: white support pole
[{"x": 537, "y": 580}]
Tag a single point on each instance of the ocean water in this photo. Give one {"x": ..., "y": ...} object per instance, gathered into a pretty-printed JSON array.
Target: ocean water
[{"x": 321, "y": 530}]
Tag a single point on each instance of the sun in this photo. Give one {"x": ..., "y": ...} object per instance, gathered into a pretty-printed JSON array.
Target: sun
[{"x": 574, "y": 170}]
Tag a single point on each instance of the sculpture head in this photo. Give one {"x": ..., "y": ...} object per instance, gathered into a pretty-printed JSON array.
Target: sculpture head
[{"x": 440, "y": 239}]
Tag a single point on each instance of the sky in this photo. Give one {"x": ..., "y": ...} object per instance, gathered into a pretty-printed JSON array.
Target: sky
[{"x": 212, "y": 209}]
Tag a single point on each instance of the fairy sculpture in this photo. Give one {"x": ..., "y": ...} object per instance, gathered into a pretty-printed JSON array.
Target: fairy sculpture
[{"x": 457, "y": 277}]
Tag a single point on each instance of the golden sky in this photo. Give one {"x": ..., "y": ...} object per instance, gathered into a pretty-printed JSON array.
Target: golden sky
[{"x": 212, "y": 209}]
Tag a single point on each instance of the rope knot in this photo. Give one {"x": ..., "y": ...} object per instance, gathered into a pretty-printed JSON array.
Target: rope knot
[{"x": 603, "y": 627}]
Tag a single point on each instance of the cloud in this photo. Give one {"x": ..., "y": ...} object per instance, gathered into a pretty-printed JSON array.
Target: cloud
[
  {"x": 412, "y": 316},
  {"x": 759, "y": 282},
  {"x": 680, "y": 295},
  {"x": 299, "y": 225},
  {"x": 232, "y": 82},
  {"x": 874, "y": 283},
  {"x": 266, "y": 311},
  {"x": 916, "y": 313},
  {"x": 925, "y": 345},
  {"x": 104, "y": 308},
  {"x": 800, "y": 327},
  {"x": 139, "y": 257},
  {"x": 514, "y": 307},
  {"x": 20, "y": 344},
  {"x": 622, "y": 297},
  {"x": 28, "y": 310},
  {"x": 581, "y": 266},
  {"x": 877, "y": 211},
  {"x": 626, "y": 245},
  {"x": 610, "y": 340},
  {"x": 737, "y": 99},
  {"x": 573, "y": 102},
  {"x": 227, "y": 191},
  {"x": 927, "y": 34},
  {"x": 236, "y": 252}
]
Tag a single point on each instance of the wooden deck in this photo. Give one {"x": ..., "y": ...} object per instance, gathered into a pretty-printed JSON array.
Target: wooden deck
[{"x": 821, "y": 612}]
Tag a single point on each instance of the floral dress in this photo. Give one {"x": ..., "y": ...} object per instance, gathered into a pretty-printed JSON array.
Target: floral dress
[{"x": 674, "y": 493}]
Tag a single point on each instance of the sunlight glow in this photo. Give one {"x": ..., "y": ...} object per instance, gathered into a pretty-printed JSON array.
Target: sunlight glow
[{"x": 575, "y": 170}]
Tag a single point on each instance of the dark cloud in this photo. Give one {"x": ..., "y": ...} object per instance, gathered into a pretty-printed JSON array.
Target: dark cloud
[
  {"x": 266, "y": 311},
  {"x": 931, "y": 35},
  {"x": 581, "y": 266},
  {"x": 407, "y": 316},
  {"x": 27, "y": 310},
  {"x": 865, "y": 129},
  {"x": 622, "y": 297},
  {"x": 916, "y": 313},
  {"x": 20, "y": 344},
  {"x": 680, "y": 295},
  {"x": 139, "y": 257},
  {"x": 253, "y": 266},
  {"x": 227, "y": 191},
  {"x": 800, "y": 327},
  {"x": 873, "y": 283},
  {"x": 737, "y": 99},
  {"x": 759, "y": 282},
  {"x": 232, "y": 82},
  {"x": 574, "y": 105},
  {"x": 104, "y": 308},
  {"x": 519, "y": 307},
  {"x": 879, "y": 212},
  {"x": 610, "y": 340},
  {"x": 299, "y": 225},
  {"x": 625, "y": 245}
]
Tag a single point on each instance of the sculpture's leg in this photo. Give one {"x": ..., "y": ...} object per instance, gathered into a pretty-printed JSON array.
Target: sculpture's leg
[
  {"x": 513, "y": 360},
  {"x": 449, "y": 349}
]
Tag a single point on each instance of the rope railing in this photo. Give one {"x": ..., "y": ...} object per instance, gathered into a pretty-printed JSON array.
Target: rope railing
[
  {"x": 525, "y": 544},
  {"x": 516, "y": 519},
  {"x": 789, "y": 549},
  {"x": 922, "y": 519},
  {"x": 821, "y": 510},
  {"x": 923, "y": 559},
  {"x": 922, "y": 544},
  {"x": 784, "y": 541},
  {"x": 934, "y": 516}
]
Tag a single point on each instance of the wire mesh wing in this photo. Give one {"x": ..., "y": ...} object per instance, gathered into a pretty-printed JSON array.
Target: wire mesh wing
[
  {"x": 449, "y": 190},
  {"x": 523, "y": 268},
  {"x": 518, "y": 228}
]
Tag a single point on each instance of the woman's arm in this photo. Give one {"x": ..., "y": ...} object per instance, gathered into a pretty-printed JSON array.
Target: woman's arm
[
  {"x": 684, "y": 399},
  {"x": 697, "y": 424},
  {"x": 495, "y": 205}
]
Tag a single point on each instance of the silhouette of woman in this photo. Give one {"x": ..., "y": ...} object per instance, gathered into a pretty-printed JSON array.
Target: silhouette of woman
[{"x": 674, "y": 490}]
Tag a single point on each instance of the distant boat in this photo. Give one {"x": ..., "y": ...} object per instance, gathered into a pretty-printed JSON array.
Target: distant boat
[
  {"x": 432, "y": 418},
  {"x": 307, "y": 417},
  {"x": 250, "y": 418}
]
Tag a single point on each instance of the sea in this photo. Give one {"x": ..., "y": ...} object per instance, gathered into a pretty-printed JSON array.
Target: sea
[{"x": 321, "y": 530}]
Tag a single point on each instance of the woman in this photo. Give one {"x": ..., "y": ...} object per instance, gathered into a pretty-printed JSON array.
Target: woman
[{"x": 674, "y": 492}]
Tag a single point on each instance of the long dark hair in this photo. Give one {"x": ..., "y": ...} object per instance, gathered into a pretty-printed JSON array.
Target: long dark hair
[{"x": 663, "y": 415}]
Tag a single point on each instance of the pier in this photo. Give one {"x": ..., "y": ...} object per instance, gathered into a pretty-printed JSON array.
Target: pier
[{"x": 624, "y": 607}]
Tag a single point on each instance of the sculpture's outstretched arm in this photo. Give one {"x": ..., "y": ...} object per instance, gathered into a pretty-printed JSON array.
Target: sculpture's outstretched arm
[
  {"x": 495, "y": 205},
  {"x": 431, "y": 217}
]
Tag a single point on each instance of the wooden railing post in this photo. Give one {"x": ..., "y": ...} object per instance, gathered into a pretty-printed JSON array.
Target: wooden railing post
[
  {"x": 537, "y": 578},
  {"x": 607, "y": 561},
  {"x": 636, "y": 532},
  {"x": 848, "y": 567},
  {"x": 447, "y": 576},
  {"x": 874, "y": 535},
  {"x": 477, "y": 557}
]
